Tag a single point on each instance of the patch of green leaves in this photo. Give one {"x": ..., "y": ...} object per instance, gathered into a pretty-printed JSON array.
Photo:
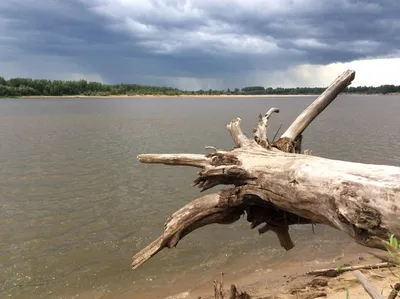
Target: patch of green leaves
[
  {"x": 394, "y": 242},
  {"x": 339, "y": 268}
]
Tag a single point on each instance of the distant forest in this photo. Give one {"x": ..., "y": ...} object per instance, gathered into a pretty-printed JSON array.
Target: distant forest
[{"x": 18, "y": 87}]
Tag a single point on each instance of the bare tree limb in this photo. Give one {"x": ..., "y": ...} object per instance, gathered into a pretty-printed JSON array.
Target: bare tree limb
[
  {"x": 261, "y": 131},
  {"x": 211, "y": 208},
  {"x": 368, "y": 287},
  {"x": 222, "y": 207},
  {"x": 176, "y": 159},
  {"x": 312, "y": 111},
  {"x": 239, "y": 138}
]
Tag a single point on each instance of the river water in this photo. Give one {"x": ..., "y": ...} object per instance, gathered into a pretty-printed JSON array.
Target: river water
[{"x": 76, "y": 204}]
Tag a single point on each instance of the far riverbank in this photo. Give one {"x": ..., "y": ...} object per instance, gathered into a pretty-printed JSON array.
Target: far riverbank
[{"x": 193, "y": 96}]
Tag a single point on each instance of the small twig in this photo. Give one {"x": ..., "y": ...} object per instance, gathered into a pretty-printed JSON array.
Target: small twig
[
  {"x": 215, "y": 283},
  {"x": 369, "y": 288},
  {"x": 194, "y": 160},
  {"x": 376, "y": 274},
  {"x": 276, "y": 133},
  {"x": 210, "y": 147},
  {"x": 218, "y": 287},
  {"x": 222, "y": 281},
  {"x": 351, "y": 268},
  {"x": 393, "y": 273},
  {"x": 395, "y": 291}
]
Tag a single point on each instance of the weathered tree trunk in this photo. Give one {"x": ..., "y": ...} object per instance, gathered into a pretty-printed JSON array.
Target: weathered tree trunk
[{"x": 277, "y": 186}]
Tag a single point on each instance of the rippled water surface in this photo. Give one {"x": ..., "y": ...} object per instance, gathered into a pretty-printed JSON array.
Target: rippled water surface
[{"x": 76, "y": 204}]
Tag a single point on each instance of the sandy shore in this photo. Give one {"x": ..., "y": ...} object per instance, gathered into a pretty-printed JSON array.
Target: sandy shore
[{"x": 287, "y": 279}]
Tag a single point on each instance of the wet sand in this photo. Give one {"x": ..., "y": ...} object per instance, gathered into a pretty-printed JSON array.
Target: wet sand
[{"x": 287, "y": 279}]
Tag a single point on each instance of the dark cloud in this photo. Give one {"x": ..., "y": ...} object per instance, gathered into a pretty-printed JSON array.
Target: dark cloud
[{"x": 157, "y": 41}]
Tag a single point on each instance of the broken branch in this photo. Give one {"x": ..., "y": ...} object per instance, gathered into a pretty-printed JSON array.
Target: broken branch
[
  {"x": 239, "y": 138},
  {"x": 368, "y": 287},
  {"x": 176, "y": 159},
  {"x": 261, "y": 131},
  {"x": 282, "y": 232},
  {"x": 350, "y": 268},
  {"x": 312, "y": 111},
  {"x": 395, "y": 291},
  {"x": 211, "y": 208}
]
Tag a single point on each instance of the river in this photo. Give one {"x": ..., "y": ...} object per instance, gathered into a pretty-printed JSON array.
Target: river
[{"x": 76, "y": 204}]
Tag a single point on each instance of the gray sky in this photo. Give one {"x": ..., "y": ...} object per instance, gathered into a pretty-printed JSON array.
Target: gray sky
[{"x": 193, "y": 44}]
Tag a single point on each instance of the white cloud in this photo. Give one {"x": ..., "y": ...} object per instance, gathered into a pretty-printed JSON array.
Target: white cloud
[{"x": 369, "y": 72}]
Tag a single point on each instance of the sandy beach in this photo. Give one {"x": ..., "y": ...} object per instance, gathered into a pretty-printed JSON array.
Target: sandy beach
[{"x": 287, "y": 279}]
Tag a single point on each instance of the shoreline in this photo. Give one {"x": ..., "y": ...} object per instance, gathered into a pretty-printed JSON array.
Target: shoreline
[
  {"x": 163, "y": 96},
  {"x": 287, "y": 279},
  {"x": 192, "y": 96}
]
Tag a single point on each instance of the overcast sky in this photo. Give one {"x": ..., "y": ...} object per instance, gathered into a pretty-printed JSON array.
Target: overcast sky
[{"x": 193, "y": 44}]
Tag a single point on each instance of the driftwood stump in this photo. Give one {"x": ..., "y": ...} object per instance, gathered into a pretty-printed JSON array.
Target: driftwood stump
[{"x": 277, "y": 186}]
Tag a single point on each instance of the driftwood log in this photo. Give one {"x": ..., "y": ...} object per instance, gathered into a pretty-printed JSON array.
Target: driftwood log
[
  {"x": 368, "y": 287},
  {"x": 277, "y": 186}
]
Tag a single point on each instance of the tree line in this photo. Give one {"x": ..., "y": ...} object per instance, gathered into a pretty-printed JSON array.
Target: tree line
[{"x": 17, "y": 87}]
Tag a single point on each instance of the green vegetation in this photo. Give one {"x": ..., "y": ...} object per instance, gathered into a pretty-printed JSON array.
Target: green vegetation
[
  {"x": 393, "y": 248},
  {"x": 17, "y": 87},
  {"x": 339, "y": 268}
]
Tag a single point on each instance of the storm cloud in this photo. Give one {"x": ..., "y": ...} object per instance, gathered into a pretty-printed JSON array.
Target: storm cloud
[{"x": 191, "y": 43}]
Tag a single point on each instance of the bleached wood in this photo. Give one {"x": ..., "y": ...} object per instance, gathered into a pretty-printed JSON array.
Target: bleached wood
[
  {"x": 212, "y": 208},
  {"x": 368, "y": 287},
  {"x": 312, "y": 111},
  {"x": 175, "y": 159},
  {"x": 361, "y": 200},
  {"x": 276, "y": 187},
  {"x": 351, "y": 268},
  {"x": 239, "y": 138},
  {"x": 261, "y": 131}
]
